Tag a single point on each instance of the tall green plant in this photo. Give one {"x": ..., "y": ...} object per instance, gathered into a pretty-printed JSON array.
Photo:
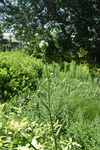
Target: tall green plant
[
  {"x": 78, "y": 71},
  {"x": 43, "y": 45}
]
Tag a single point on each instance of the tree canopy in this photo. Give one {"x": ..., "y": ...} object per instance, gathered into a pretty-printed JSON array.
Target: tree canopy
[{"x": 76, "y": 22}]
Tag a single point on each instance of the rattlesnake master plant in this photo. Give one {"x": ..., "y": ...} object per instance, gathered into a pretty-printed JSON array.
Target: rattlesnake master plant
[{"x": 43, "y": 45}]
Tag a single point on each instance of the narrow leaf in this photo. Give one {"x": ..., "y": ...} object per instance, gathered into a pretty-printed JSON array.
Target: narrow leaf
[
  {"x": 33, "y": 147},
  {"x": 58, "y": 131},
  {"x": 45, "y": 105}
]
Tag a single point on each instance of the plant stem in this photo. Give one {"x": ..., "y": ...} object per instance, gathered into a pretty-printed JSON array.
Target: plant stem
[
  {"x": 53, "y": 131},
  {"x": 55, "y": 141}
]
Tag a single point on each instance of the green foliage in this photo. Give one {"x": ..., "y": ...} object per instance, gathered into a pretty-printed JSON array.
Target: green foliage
[
  {"x": 18, "y": 74},
  {"x": 67, "y": 94},
  {"x": 72, "y": 70},
  {"x": 83, "y": 131},
  {"x": 77, "y": 71},
  {"x": 73, "y": 100},
  {"x": 82, "y": 52},
  {"x": 70, "y": 97},
  {"x": 16, "y": 133},
  {"x": 75, "y": 22},
  {"x": 32, "y": 48},
  {"x": 94, "y": 70}
]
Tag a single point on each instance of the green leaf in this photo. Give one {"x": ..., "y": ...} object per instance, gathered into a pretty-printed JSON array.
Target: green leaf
[
  {"x": 45, "y": 105},
  {"x": 58, "y": 131}
]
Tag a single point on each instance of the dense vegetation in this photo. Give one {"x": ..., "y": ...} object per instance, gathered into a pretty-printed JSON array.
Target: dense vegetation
[
  {"x": 18, "y": 73},
  {"x": 74, "y": 105},
  {"x": 50, "y": 87},
  {"x": 75, "y": 22}
]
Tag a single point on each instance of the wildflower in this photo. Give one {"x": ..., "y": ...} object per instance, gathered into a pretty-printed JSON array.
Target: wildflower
[
  {"x": 43, "y": 44},
  {"x": 36, "y": 34},
  {"x": 51, "y": 73}
]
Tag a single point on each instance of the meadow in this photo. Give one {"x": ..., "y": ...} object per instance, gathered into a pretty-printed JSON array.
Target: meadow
[{"x": 46, "y": 106}]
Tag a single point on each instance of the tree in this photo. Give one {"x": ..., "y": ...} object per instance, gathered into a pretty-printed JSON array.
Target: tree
[
  {"x": 77, "y": 22},
  {"x": 1, "y": 37},
  {"x": 86, "y": 22}
]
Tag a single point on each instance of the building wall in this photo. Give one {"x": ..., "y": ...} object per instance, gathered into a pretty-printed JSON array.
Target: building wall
[{"x": 7, "y": 36}]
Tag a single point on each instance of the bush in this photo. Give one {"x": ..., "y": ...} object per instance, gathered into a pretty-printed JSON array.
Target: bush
[
  {"x": 18, "y": 74},
  {"x": 17, "y": 133}
]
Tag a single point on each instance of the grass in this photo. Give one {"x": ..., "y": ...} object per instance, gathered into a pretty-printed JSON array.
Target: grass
[{"x": 75, "y": 99}]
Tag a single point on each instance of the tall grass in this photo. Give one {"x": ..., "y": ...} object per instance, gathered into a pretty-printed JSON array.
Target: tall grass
[{"x": 64, "y": 94}]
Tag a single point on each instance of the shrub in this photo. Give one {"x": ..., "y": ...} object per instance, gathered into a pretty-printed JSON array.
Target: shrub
[
  {"x": 17, "y": 133},
  {"x": 18, "y": 73}
]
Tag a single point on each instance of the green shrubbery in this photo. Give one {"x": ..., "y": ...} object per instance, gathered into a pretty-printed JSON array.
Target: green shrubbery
[
  {"x": 68, "y": 93},
  {"x": 18, "y": 74},
  {"x": 94, "y": 70},
  {"x": 17, "y": 133},
  {"x": 72, "y": 70},
  {"x": 84, "y": 131}
]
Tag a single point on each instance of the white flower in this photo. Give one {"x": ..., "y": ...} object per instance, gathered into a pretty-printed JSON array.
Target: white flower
[
  {"x": 36, "y": 34},
  {"x": 46, "y": 44},
  {"x": 51, "y": 73},
  {"x": 43, "y": 43}
]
